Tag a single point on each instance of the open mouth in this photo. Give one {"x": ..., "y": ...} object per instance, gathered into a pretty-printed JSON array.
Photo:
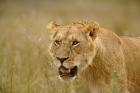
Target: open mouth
[{"x": 67, "y": 72}]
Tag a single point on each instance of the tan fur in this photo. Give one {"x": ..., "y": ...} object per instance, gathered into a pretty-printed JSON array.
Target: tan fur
[{"x": 107, "y": 62}]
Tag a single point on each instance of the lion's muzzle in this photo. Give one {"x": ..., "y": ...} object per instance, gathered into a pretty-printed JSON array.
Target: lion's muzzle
[
  {"x": 67, "y": 72},
  {"x": 62, "y": 59}
]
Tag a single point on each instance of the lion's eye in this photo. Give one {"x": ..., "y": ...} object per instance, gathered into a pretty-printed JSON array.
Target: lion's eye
[
  {"x": 57, "y": 42},
  {"x": 75, "y": 43}
]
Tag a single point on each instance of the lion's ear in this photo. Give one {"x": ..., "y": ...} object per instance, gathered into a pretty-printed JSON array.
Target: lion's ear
[
  {"x": 92, "y": 29},
  {"x": 52, "y": 25}
]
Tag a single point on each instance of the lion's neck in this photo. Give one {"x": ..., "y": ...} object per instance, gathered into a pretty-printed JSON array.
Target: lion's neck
[{"x": 96, "y": 73}]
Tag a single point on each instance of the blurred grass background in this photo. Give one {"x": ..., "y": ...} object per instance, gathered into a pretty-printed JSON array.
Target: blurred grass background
[{"x": 25, "y": 66}]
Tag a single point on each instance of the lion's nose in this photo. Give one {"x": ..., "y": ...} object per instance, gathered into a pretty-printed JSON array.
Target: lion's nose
[{"x": 62, "y": 59}]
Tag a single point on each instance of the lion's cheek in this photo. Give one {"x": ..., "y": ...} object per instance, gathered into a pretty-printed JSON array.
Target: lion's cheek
[
  {"x": 50, "y": 50},
  {"x": 80, "y": 62},
  {"x": 86, "y": 60},
  {"x": 68, "y": 64},
  {"x": 56, "y": 63}
]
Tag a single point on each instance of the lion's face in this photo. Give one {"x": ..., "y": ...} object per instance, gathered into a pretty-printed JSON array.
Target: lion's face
[{"x": 72, "y": 50}]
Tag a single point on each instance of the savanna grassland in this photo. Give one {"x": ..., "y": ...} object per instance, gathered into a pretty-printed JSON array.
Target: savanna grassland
[{"x": 25, "y": 66}]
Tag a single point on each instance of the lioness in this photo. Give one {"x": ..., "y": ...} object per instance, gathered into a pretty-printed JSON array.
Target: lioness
[{"x": 107, "y": 62}]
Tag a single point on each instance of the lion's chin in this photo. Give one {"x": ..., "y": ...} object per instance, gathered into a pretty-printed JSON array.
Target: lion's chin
[
  {"x": 67, "y": 79},
  {"x": 67, "y": 73}
]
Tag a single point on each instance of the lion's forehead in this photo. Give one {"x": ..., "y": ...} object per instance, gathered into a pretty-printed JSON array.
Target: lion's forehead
[{"x": 70, "y": 33}]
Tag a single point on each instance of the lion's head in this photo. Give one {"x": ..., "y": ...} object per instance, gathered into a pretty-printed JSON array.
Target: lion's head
[{"x": 72, "y": 47}]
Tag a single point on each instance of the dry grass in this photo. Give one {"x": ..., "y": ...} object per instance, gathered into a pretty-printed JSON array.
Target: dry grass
[{"x": 25, "y": 66}]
